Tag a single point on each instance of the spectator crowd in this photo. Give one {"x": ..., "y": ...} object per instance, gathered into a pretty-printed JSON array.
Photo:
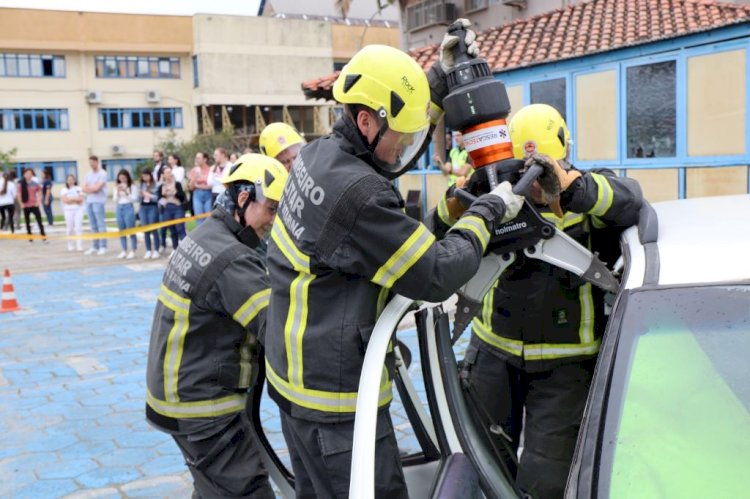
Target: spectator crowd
[{"x": 166, "y": 192}]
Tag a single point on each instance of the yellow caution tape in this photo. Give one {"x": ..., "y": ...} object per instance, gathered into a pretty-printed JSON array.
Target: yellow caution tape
[{"x": 108, "y": 235}]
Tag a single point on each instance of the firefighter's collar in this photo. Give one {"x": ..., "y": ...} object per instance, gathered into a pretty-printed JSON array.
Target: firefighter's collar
[{"x": 246, "y": 235}]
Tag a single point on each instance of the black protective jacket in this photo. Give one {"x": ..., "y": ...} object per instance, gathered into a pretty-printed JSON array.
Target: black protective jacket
[
  {"x": 539, "y": 316},
  {"x": 340, "y": 244},
  {"x": 209, "y": 316}
]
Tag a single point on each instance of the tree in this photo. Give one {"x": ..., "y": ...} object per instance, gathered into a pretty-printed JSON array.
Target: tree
[{"x": 7, "y": 159}]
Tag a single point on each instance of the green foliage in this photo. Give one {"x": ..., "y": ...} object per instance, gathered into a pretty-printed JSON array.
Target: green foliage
[
  {"x": 200, "y": 143},
  {"x": 7, "y": 159}
]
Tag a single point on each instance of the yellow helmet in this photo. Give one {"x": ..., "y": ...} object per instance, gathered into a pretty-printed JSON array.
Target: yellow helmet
[
  {"x": 265, "y": 173},
  {"x": 539, "y": 129},
  {"x": 277, "y": 137},
  {"x": 390, "y": 82}
]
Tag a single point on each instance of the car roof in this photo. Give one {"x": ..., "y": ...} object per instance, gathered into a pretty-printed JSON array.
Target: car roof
[{"x": 700, "y": 240}]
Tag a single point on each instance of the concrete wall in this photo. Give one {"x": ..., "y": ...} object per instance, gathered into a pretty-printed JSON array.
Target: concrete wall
[
  {"x": 259, "y": 60},
  {"x": 347, "y": 40},
  {"x": 80, "y": 37}
]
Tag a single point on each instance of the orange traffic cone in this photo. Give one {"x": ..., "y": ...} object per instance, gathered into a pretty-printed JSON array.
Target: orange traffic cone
[{"x": 9, "y": 303}]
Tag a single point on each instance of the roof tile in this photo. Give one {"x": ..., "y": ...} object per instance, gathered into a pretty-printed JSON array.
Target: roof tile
[{"x": 581, "y": 29}]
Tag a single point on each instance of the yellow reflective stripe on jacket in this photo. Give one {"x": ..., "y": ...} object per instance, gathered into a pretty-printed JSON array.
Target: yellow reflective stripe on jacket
[
  {"x": 404, "y": 257},
  {"x": 551, "y": 351},
  {"x": 597, "y": 222},
  {"x": 299, "y": 260},
  {"x": 200, "y": 409},
  {"x": 175, "y": 340},
  {"x": 246, "y": 358},
  {"x": 382, "y": 297},
  {"x": 443, "y": 213},
  {"x": 604, "y": 195},
  {"x": 586, "y": 328},
  {"x": 321, "y": 400},
  {"x": 569, "y": 220},
  {"x": 476, "y": 225},
  {"x": 247, "y": 312},
  {"x": 294, "y": 329},
  {"x": 514, "y": 347}
]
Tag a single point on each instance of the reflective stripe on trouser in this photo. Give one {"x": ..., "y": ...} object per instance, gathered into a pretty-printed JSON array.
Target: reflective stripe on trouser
[
  {"x": 175, "y": 340},
  {"x": 541, "y": 351}
]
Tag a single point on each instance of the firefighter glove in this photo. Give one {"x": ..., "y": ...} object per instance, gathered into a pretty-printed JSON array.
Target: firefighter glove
[
  {"x": 455, "y": 207},
  {"x": 513, "y": 202},
  {"x": 450, "y": 41},
  {"x": 553, "y": 180},
  {"x": 436, "y": 76}
]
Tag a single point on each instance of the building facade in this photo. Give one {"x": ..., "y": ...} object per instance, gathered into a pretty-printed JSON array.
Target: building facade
[{"x": 75, "y": 84}]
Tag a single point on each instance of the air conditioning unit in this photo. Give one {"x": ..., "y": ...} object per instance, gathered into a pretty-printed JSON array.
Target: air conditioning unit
[
  {"x": 153, "y": 96},
  {"x": 430, "y": 12},
  {"x": 94, "y": 96},
  {"x": 521, "y": 4},
  {"x": 117, "y": 150}
]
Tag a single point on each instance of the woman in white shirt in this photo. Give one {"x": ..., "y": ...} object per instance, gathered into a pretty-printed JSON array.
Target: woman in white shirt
[
  {"x": 125, "y": 194},
  {"x": 7, "y": 201},
  {"x": 72, "y": 200},
  {"x": 219, "y": 169}
]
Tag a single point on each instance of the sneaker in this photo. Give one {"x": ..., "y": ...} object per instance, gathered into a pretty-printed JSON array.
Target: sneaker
[
  {"x": 102, "y": 251},
  {"x": 154, "y": 255},
  {"x": 131, "y": 255},
  {"x": 90, "y": 251},
  {"x": 122, "y": 254},
  {"x": 70, "y": 247},
  {"x": 147, "y": 255}
]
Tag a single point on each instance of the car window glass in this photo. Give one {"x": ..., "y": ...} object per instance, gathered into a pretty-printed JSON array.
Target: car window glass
[{"x": 679, "y": 406}]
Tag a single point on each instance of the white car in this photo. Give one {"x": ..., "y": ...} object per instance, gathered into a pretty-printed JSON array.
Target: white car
[{"x": 668, "y": 414}]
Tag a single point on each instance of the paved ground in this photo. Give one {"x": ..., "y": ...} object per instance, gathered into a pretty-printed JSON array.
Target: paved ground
[{"x": 72, "y": 380}]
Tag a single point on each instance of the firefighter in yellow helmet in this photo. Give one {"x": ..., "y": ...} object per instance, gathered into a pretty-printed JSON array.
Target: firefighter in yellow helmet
[
  {"x": 209, "y": 318},
  {"x": 341, "y": 246},
  {"x": 282, "y": 142},
  {"x": 534, "y": 345}
]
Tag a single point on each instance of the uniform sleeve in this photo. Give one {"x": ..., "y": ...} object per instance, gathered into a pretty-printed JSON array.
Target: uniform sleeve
[
  {"x": 242, "y": 291},
  {"x": 397, "y": 252},
  {"x": 612, "y": 201}
]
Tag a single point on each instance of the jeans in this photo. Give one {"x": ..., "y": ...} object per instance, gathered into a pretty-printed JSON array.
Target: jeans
[
  {"x": 177, "y": 231},
  {"x": 150, "y": 215},
  {"x": 126, "y": 220},
  {"x": 96, "y": 219},
  {"x": 201, "y": 203},
  {"x": 7, "y": 212},
  {"x": 48, "y": 212},
  {"x": 27, "y": 216}
]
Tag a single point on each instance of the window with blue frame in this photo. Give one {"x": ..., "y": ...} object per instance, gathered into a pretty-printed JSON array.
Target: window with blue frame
[
  {"x": 58, "y": 169},
  {"x": 550, "y": 92},
  {"x": 113, "y": 167},
  {"x": 157, "y": 117},
  {"x": 32, "y": 65},
  {"x": 652, "y": 110},
  {"x": 131, "y": 66},
  {"x": 33, "y": 119}
]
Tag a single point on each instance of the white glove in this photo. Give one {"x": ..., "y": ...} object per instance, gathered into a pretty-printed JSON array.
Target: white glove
[
  {"x": 513, "y": 202},
  {"x": 449, "y": 41}
]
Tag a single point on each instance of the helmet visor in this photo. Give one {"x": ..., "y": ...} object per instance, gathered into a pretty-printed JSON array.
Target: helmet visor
[{"x": 396, "y": 150}]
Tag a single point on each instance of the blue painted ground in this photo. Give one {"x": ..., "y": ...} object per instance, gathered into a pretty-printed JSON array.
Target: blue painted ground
[{"x": 72, "y": 385}]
